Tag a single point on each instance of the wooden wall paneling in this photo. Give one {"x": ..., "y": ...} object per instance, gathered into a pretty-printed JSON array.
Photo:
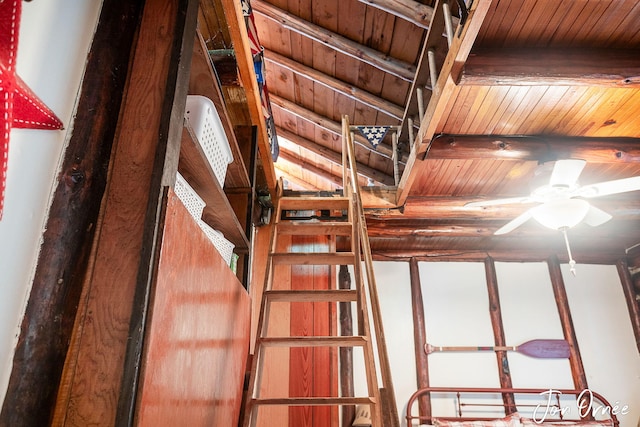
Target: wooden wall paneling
[
  {"x": 198, "y": 334},
  {"x": 346, "y": 353},
  {"x": 101, "y": 373},
  {"x": 522, "y": 115},
  {"x": 65, "y": 252},
  {"x": 309, "y": 365},
  {"x": 275, "y": 375}
]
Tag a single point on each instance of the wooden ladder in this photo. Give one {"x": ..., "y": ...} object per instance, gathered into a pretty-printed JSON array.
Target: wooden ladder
[{"x": 350, "y": 224}]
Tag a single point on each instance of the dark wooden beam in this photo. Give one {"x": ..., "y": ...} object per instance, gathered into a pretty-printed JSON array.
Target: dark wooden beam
[
  {"x": 362, "y": 96},
  {"x": 560, "y": 294},
  {"x": 402, "y": 70},
  {"x": 330, "y": 126},
  {"x": 419, "y": 338},
  {"x": 631, "y": 297},
  {"x": 109, "y": 329},
  {"x": 495, "y": 311},
  {"x": 334, "y": 157},
  {"x": 550, "y": 67},
  {"x": 64, "y": 255},
  {"x": 535, "y": 148}
]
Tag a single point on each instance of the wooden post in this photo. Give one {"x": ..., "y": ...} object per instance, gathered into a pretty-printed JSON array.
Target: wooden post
[
  {"x": 66, "y": 247},
  {"x": 419, "y": 338},
  {"x": 577, "y": 369},
  {"x": 102, "y": 368},
  {"x": 631, "y": 296},
  {"x": 346, "y": 353},
  {"x": 498, "y": 334}
]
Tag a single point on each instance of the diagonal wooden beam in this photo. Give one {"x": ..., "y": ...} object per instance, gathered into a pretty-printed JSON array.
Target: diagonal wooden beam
[
  {"x": 294, "y": 179},
  {"x": 409, "y": 10},
  {"x": 353, "y": 92},
  {"x": 386, "y": 63},
  {"x": 334, "y": 157},
  {"x": 329, "y": 125},
  {"x": 441, "y": 101},
  {"x": 535, "y": 148},
  {"x": 548, "y": 67},
  {"x": 309, "y": 167}
]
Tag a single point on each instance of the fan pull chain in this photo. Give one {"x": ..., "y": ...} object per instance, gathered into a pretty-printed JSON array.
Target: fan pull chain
[{"x": 572, "y": 262}]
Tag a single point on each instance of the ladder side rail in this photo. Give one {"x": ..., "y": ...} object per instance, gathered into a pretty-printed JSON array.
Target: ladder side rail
[
  {"x": 359, "y": 219},
  {"x": 364, "y": 327},
  {"x": 257, "y": 361}
]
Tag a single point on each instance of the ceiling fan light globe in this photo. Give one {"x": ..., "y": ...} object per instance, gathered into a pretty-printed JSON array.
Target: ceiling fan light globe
[{"x": 561, "y": 214}]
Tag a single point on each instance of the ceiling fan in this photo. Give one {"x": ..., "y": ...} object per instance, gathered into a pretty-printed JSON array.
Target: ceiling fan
[{"x": 561, "y": 199}]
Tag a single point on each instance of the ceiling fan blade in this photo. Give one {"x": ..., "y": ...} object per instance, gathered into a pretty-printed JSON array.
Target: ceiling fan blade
[
  {"x": 610, "y": 187},
  {"x": 514, "y": 223},
  {"x": 566, "y": 172},
  {"x": 495, "y": 202},
  {"x": 596, "y": 216}
]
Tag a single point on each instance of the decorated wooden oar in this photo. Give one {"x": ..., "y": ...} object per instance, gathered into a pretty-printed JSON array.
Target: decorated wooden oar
[{"x": 540, "y": 348}]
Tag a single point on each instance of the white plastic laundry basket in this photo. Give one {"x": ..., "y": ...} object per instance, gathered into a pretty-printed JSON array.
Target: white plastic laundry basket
[
  {"x": 189, "y": 197},
  {"x": 224, "y": 247},
  {"x": 205, "y": 122}
]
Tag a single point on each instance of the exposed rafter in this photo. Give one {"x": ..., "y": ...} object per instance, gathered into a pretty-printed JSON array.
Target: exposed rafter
[
  {"x": 536, "y": 148},
  {"x": 530, "y": 67},
  {"x": 329, "y": 125},
  {"x": 409, "y": 10},
  {"x": 335, "y": 157},
  {"x": 353, "y": 92},
  {"x": 441, "y": 207},
  {"x": 309, "y": 167},
  {"x": 400, "y": 69}
]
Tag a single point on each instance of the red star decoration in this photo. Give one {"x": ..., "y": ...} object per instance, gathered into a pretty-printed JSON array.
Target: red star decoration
[{"x": 19, "y": 106}]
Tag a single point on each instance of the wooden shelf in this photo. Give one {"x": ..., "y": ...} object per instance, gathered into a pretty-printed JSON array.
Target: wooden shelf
[
  {"x": 203, "y": 81},
  {"x": 218, "y": 213}
]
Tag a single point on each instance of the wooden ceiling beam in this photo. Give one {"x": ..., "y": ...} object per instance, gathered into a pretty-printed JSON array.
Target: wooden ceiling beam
[
  {"x": 441, "y": 207},
  {"x": 515, "y": 253},
  {"x": 294, "y": 179},
  {"x": 402, "y": 70},
  {"x": 291, "y": 157},
  {"x": 329, "y": 125},
  {"x": 535, "y": 148},
  {"x": 417, "y": 13},
  {"x": 552, "y": 67},
  {"x": 353, "y": 92},
  {"x": 335, "y": 157},
  {"x": 389, "y": 228}
]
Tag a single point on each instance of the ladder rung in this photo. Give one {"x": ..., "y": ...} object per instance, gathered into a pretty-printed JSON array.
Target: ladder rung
[
  {"x": 329, "y": 341},
  {"x": 314, "y": 401},
  {"x": 314, "y": 258},
  {"x": 334, "y": 228},
  {"x": 313, "y": 203},
  {"x": 335, "y": 295}
]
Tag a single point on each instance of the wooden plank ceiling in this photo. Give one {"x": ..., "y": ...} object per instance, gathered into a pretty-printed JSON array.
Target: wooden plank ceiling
[{"x": 544, "y": 80}]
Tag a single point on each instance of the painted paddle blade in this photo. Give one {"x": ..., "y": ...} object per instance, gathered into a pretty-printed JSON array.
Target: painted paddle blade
[
  {"x": 545, "y": 349},
  {"x": 540, "y": 348}
]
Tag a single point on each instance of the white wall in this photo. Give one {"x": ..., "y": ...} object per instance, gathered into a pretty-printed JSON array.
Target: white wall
[
  {"x": 456, "y": 310},
  {"x": 54, "y": 39}
]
